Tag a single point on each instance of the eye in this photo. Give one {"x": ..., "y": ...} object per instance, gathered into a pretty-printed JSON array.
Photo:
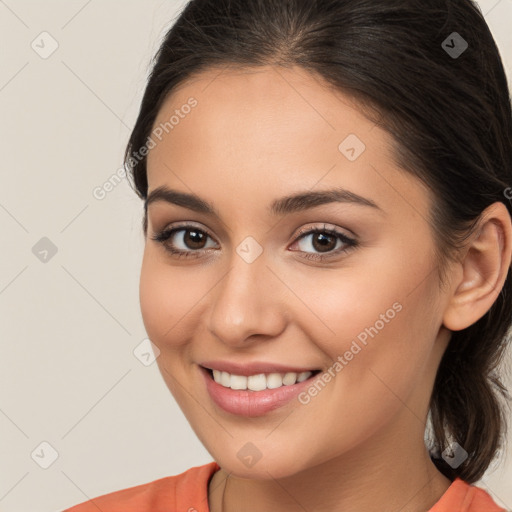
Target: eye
[
  {"x": 183, "y": 241},
  {"x": 189, "y": 241},
  {"x": 329, "y": 242}
]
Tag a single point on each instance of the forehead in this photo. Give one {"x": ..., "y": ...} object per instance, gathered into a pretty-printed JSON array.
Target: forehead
[
  {"x": 271, "y": 129},
  {"x": 274, "y": 104},
  {"x": 261, "y": 112}
]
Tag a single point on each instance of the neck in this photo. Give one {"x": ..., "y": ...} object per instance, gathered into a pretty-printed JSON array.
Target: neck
[{"x": 400, "y": 476}]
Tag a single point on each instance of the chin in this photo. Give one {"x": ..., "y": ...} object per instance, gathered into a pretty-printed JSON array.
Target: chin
[{"x": 275, "y": 466}]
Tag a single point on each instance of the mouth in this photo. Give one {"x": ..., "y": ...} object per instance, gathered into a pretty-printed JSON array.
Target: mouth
[
  {"x": 255, "y": 394},
  {"x": 259, "y": 381}
]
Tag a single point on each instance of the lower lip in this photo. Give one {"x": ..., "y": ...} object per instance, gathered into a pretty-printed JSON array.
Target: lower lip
[{"x": 252, "y": 403}]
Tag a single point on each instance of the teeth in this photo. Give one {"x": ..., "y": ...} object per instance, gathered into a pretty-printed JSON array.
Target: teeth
[
  {"x": 238, "y": 381},
  {"x": 303, "y": 376},
  {"x": 254, "y": 382},
  {"x": 260, "y": 381},
  {"x": 289, "y": 378},
  {"x": 274, "y": 380},
  {"x": 225, "y": 379}
]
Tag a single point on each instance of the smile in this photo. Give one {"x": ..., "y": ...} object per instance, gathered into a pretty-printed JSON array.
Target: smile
[
  {"x": 260, "y": 381},
  {"x": 256, "y": 394}
]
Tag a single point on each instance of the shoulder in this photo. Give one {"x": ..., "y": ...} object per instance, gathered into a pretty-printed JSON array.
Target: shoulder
[
  {"x": 464, "y": 497},
  {"x": 187, "y": 491},
  {"x": 482, "y": 500}
]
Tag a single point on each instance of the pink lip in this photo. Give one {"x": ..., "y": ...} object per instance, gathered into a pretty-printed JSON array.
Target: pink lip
[
  {"x": 252, "y": 368},
  {"x": 251, "y": 403}
]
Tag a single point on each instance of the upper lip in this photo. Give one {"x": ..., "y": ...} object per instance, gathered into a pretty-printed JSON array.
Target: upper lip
[{"x": 253, "y": 368}]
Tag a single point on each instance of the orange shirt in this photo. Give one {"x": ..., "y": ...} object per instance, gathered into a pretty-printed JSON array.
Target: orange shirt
[{"x": 188, "y": 492}]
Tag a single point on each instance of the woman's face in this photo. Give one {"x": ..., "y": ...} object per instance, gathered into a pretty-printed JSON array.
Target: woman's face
[{"x": 363, "y": 306}]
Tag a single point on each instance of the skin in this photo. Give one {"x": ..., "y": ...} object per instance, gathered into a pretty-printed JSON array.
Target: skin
[{"x": 255, "y": 136}]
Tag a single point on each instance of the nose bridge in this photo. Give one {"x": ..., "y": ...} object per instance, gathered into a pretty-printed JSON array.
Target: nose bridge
[{"x": 244, "y": 303}]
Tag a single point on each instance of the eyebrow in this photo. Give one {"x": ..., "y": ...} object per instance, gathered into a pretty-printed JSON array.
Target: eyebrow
[{"x": 289, "y": 204}]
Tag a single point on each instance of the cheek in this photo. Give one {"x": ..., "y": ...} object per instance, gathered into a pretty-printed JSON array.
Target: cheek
[
  {"x": 380, "y": 317},
  {"x": 167, "y": 298},
  {"x": 380, "y": 353},
  {"x": 344, "y": 305}
]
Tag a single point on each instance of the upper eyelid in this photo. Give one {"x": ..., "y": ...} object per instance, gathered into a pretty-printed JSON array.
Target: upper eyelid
[{"x": 185, "y": 226}]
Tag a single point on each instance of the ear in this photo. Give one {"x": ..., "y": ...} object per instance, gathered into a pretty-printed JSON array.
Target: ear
[{"x": 483, "y": 269}]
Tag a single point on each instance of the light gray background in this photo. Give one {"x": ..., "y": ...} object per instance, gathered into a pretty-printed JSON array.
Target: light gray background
[{"x": 69, "y": 326}]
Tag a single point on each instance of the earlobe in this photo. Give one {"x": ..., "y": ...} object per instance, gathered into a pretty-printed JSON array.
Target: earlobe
[{"x": 483, "y": 270}]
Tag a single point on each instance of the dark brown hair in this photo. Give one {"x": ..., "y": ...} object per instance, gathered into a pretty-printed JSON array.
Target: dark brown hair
[{"x": 451, "y": 122}]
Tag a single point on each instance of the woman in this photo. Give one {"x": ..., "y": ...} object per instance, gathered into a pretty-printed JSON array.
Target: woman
[{"x": 326, "y": 273}]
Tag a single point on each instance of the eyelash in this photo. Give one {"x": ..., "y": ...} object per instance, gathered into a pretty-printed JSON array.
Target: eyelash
[{"x": 163, "y": 236}]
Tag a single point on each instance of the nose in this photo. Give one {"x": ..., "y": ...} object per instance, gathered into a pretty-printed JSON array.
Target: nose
[{"x": 248, "y": 304}]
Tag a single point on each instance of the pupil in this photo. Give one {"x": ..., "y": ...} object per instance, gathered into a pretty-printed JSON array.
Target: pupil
[
  {"x": 324, "y": 241},
  {"x": 198, "y": 236}
]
